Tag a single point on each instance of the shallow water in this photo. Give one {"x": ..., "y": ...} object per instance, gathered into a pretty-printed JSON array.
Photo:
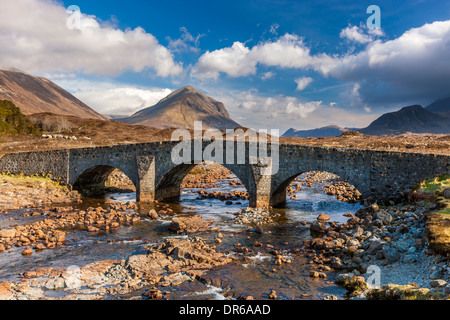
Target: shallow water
[{"x": 256, "y": 275}]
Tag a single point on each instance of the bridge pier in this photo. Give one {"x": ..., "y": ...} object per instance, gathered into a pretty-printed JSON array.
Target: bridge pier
[
  {"x": 145, "y": 183},
  {"x": 259, "y": 186}
]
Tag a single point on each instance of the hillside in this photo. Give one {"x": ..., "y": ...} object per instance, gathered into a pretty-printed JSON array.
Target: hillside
[
  {"x": 409, "y": 119},
  {"x": 441, "y": 106},
  {"x": 36, "y": 95},
  {"x": 181, "y": 108},
  {"x": 329, "y": 131}
]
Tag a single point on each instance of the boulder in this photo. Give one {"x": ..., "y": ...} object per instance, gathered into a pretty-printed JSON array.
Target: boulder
[
  {"x": 152, "y": 214},
  {"x": 323, "y": 218},
  {"x": 446, "y": 193},
  {"x": 7, "y": 233},
  {"x": 318, "y": 227},
  {"x": 438, "y": 283},
  {"x": 391, "y": 254}
]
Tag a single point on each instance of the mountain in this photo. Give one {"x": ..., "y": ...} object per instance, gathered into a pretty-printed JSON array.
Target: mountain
[
  {"x": 414, "y": 119},
  {"x": 441, "y": 106},
  {"x": 329, "y": 131},
  {"x": 181, "y": 108},
  {"x": 37, "y": 95}
]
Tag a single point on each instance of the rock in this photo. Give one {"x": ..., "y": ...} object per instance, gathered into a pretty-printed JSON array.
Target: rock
[
  {"x": 436, "y": 275},
  {"x": 446, "y": 193},
  {"x": 391, "y": 254},
  {"x": 353, "y": 243},
  {"x": 383, "y": 216},
  {"x": 375, "y": 246},
  {"x": 259, "y": 229},
  {"x": 93, "y": 229},
  {"x": 27, "y": 252},
  {"x": 352, "y": 283},
  {"x": 190, "y": 224},
  {"x": 174, "y": 256},
  {"x": 7, "y": 233},
  {"x": 2, "y": 248},
  {"x": 403, "y": 292},
  {"x": 40, "y": 247},
  {"x": 348, "y": 215},
  {"x": 357, "y": 232},
  {"x": 438, "y": 283},
  {"x": 152, "y": 214},
  {"x": 55, "y": 284},
  {"x": 154, "y": 294},
  {"x": 409, "y": 258},
  {"x": 374, "y": 207},
  {"x": 273, "y": 295},
  {"x": 5, "y": 291},
  {"x": 318, "y": 227},
  {"x": 446, "y": 290},
  {"x": 323, "y": 218},
  {"x": 336, "y": 263},
  {"x": 114, "y": 225}
]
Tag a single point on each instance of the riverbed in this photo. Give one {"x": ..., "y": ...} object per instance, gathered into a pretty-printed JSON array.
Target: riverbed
[{"x": 254, "y": 275}]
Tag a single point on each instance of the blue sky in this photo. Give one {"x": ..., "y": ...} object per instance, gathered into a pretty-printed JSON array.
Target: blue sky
[{"x": 275, "y": 64}]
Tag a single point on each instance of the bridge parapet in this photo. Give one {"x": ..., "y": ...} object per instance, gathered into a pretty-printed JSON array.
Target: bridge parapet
[{"x": 381, "y": 175}]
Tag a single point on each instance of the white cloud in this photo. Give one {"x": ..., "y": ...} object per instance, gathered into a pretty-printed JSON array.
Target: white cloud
[
  {"x": 302, "y": 83},
  {"x": 254, "y": 110},
  {"x": 36, "y": 38},
  {"x": 354, "y": 33},
  {"x": 113, "y": 98},
  {"x": 302, "y": 109},
  {"x": 413, "y": 66},
  {"x": 267, "y": 75},
  {"x": 187, "y": 42},
  {"x": 274, "y": 28},
  {"x": 288, "y": 51},
  {"x": 232, "y": 60}
]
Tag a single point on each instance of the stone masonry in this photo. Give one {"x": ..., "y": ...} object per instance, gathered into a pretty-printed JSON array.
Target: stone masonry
[{"x": 381, "y": 175}]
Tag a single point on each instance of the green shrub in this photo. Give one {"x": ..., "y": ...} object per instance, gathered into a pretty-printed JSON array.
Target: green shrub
[{"x": 14, "y": 122}]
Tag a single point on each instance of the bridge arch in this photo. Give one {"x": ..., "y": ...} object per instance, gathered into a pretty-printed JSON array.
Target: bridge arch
[
  {"x": 168, "y": 187},
  {"x": 281, "y": 182},
  {"x": 278, "y": 196},
  {"x": 96, "y": 176}
]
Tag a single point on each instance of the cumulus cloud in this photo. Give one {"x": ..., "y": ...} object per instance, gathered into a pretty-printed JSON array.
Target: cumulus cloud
[
  {"x": 114, "y": 99},
  {"x": 354, "y": 33},
  {"x": 284, "y": 112},
  {"x": 35, "y": 37},
  {"x": 302, "y": 83},
  {"x": 288, "y": 51},
  {"x": 413, "y": 66}
]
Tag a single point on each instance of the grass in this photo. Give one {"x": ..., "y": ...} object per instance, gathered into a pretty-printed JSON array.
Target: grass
[
  {"x": 20, "y": 179},
  {"x": 438, "y": 222},
  {"x": 404, "y": 292},
  {"x": 197, "y": 170},
  {"x": 435, "y": 185}
]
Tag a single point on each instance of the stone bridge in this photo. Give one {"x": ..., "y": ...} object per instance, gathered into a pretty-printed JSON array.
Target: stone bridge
[{"x": 380, "y": 175}]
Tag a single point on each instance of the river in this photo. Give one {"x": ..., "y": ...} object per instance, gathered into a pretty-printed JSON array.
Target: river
[{"x": 255, "y": 275}]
